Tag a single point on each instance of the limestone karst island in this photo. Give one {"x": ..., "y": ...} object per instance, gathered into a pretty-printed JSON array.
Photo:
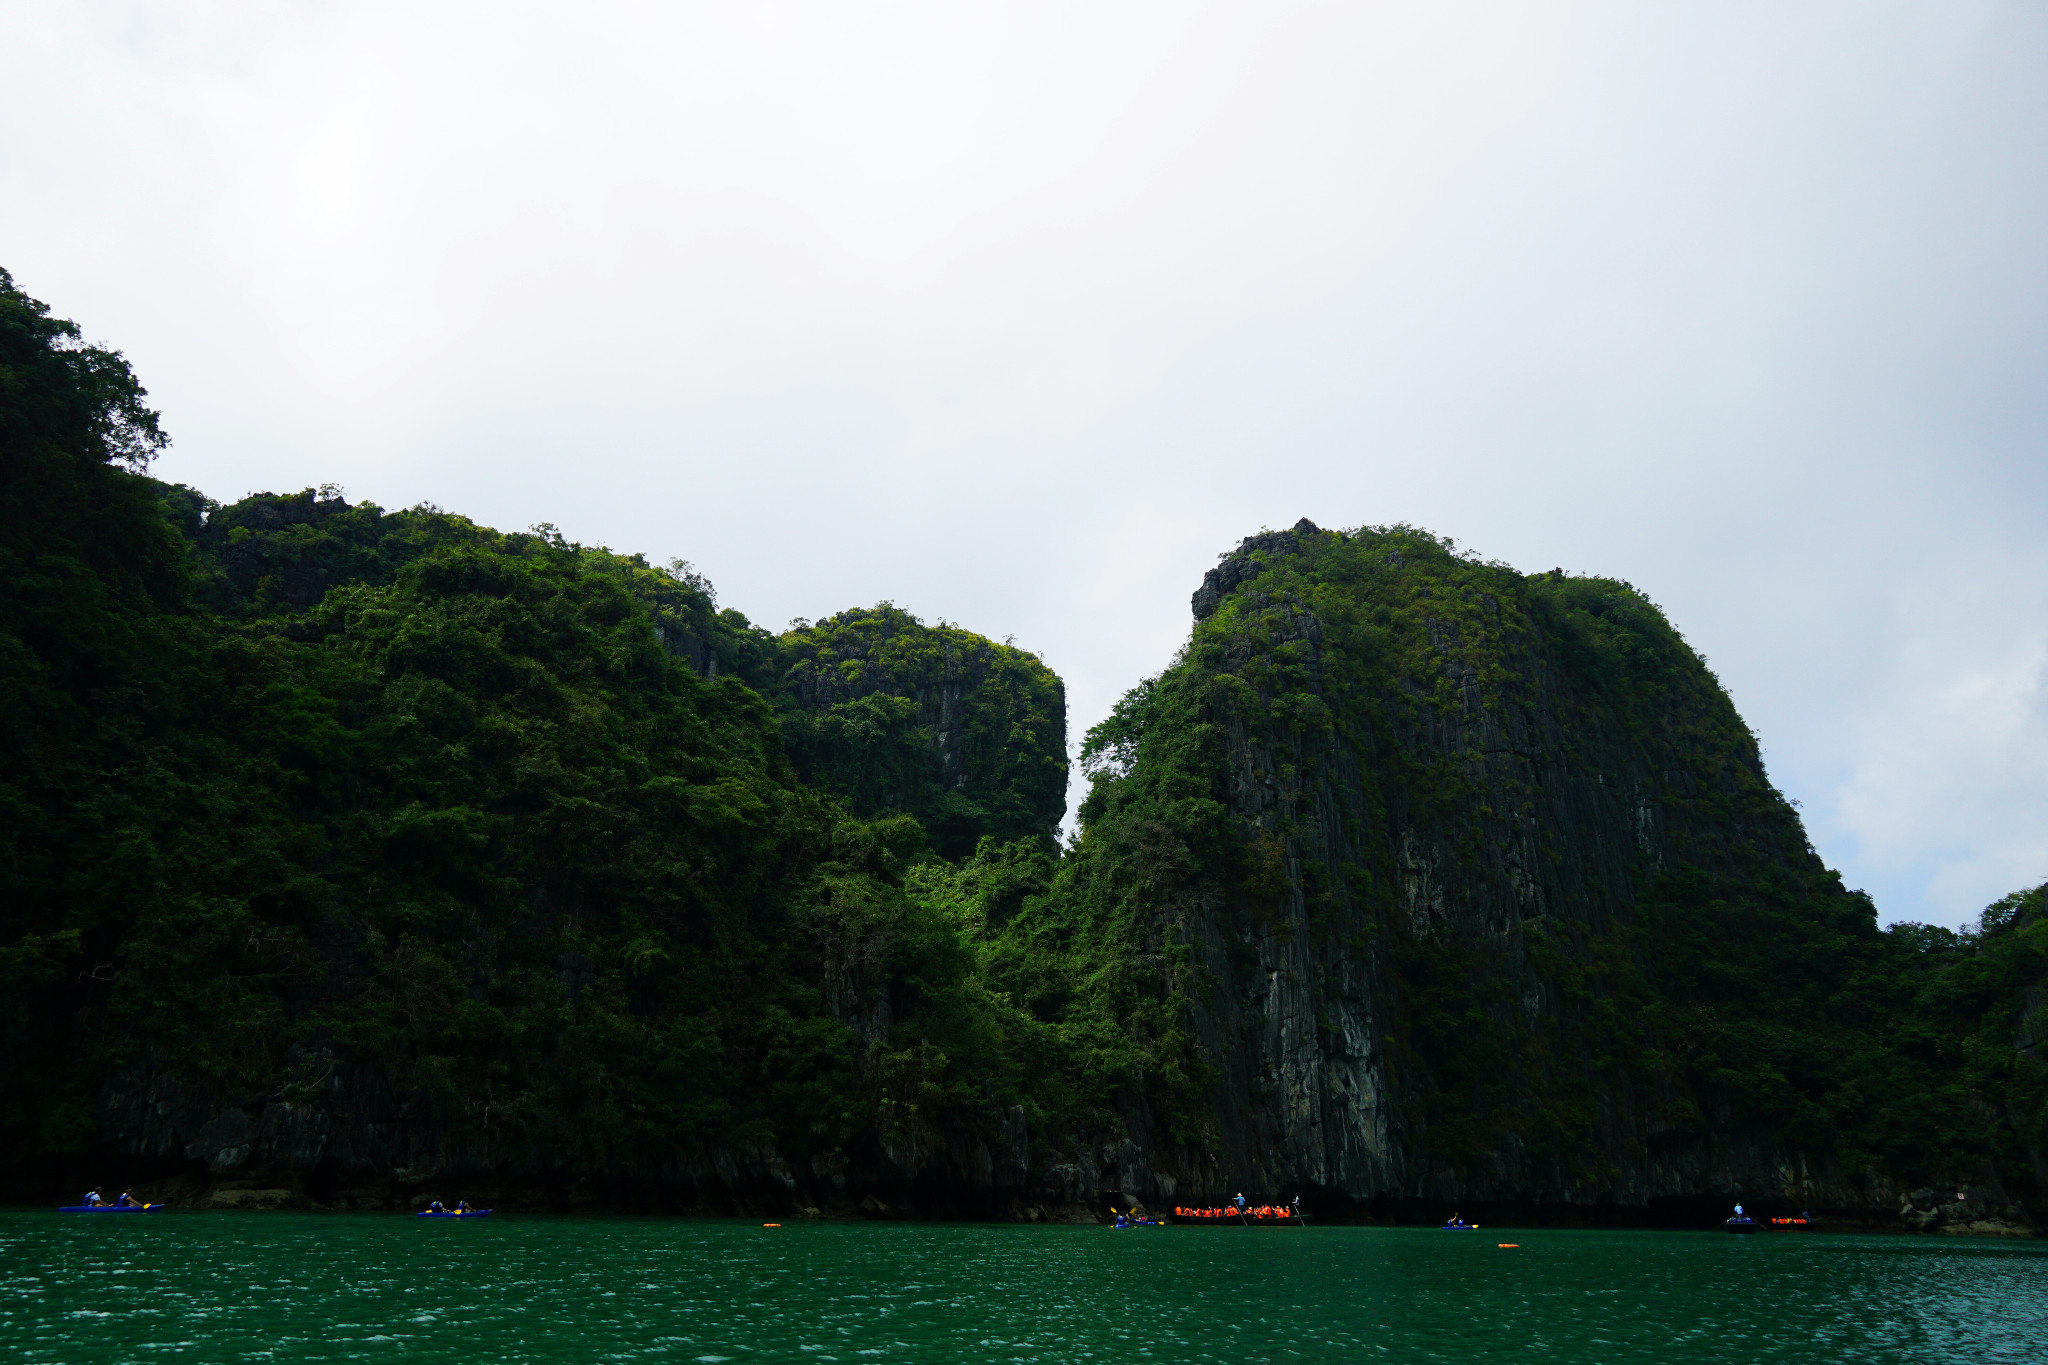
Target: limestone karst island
[{"x": 351, "y": 855}]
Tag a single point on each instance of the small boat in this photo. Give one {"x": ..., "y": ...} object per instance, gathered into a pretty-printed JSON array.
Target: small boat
[
  {"x": 1460, "y": 1225},
  {"x": 453, "y": 1213},
  {"x": 1244, "y": 1217},
  {"x": 1743, "y": 1225},
  {"x": 113, "y": 1208},
  {"x": 1123, "y": 1222}
]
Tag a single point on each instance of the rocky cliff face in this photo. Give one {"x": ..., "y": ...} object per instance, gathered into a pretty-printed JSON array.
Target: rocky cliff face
[
  {"x": 1478, "y": 894},
  {"x": 1414, "y": 882},
  {"x": 352, "y": 856}
]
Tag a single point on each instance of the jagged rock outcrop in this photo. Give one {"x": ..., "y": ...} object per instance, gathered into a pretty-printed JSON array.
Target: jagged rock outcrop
[
  {"x": 1414, "y": 882},
  {"x": 1245, "y": 564},
  {"x": 353, "y": 854},
  {"x": 1483, "y": 897}
]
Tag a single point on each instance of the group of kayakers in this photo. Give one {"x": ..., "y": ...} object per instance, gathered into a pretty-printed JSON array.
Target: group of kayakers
[
  {"x": 95, "y": 1200},
  {"x": 1239, "y": 1209}
]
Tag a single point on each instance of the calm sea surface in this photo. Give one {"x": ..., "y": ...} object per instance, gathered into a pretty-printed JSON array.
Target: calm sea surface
[{"x": 222, "y": 1287}]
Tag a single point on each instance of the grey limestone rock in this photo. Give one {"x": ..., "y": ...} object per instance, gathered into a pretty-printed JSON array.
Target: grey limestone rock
[{"x": 1244, "y": 564}]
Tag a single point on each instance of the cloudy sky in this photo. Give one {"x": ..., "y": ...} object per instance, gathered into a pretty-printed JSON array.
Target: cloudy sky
[{"x": 1018, "y": 314}]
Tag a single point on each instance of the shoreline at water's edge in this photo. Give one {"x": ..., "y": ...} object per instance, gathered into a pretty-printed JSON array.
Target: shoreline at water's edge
[
  {"x": 1819, "y": 1227},
  {"x": 189, "y": 1193}
]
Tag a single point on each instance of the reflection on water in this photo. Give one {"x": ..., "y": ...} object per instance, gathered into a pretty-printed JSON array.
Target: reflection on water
[{"x": 227, "y": 1287}]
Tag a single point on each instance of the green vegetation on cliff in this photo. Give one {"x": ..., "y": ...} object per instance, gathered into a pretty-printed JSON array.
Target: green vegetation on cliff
[
  {"x": 1514, "y": 855},
  {"x": 339, "y": 841},
  {"x": 495, "y": 834},
  {"x": 967, "y": 736}
]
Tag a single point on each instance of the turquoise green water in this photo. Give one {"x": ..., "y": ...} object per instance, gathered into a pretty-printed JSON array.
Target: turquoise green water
[{"x": 226, "y": 1287}]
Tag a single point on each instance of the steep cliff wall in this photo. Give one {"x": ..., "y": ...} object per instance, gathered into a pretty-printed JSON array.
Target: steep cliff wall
[
  {"x": 378, "y": 849},
  {"x": 352, "y": 854},
  {"x": 1472, "y": 888}
]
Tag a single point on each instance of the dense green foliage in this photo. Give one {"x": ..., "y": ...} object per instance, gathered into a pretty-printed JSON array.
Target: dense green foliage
[
  {"x": 870, "y": 698},
  {"x": 296, "y": 788},
  {"x": 1964, "y": 1078},
  {"x": 1714, "y": 979},
  {"x": 92, "y": 654},
  {"x": 530, "y": 844}
]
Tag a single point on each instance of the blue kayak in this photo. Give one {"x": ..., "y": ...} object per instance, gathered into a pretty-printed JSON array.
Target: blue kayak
[
  {"x": 113, "y": 1208},
  {"x": 453, "y": 1213}
]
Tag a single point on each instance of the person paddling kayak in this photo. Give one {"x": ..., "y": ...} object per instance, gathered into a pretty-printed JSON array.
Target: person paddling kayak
[{"x": 92, "y": 1200}]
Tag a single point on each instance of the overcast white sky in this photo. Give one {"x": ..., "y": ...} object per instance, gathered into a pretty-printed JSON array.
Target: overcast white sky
[{"x": 1017, "y": 315}]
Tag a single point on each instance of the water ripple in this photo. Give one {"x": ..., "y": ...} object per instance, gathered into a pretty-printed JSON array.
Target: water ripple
[{"x": 292, "y": 1288}]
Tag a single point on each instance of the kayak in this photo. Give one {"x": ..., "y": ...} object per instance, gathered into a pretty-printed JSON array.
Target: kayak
[
  {"x": 1226, "y": 1215},
  {"x": 113, "y": 1208},
  {"x": 453, "y": 1213},
  {"x": 1461, "y": 1227}
]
